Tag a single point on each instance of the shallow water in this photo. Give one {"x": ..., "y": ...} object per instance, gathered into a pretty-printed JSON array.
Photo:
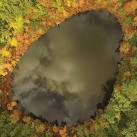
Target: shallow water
[{"x": 62, "y": 76}]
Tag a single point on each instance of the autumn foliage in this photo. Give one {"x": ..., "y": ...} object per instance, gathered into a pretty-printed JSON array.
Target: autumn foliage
[{"x": 24, "y": 21}]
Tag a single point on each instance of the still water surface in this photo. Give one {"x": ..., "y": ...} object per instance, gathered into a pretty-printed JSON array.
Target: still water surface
[{"x": 63, "y": 74}]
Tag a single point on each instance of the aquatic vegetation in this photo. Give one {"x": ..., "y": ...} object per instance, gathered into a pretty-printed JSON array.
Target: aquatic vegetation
[{"x": 23, "y": 22}]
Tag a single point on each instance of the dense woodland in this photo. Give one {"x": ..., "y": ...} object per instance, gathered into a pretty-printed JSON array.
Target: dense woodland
[{"x": 24, "y": 21}]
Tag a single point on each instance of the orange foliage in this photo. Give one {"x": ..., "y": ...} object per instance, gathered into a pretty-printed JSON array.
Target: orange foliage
[
  {"x": 63, "y": 132},
  {"x": 130, "y": 6},
  {"x": 82, "y": 3}
]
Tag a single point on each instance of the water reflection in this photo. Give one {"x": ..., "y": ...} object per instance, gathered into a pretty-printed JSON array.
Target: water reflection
[{"x": 64, "y": 74}]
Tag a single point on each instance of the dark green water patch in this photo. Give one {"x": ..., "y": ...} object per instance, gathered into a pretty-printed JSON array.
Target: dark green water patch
[{"x": 69, "y": 71}]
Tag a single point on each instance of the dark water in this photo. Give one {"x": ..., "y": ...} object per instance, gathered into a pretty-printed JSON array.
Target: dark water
[{"x": 62, "y": 76}]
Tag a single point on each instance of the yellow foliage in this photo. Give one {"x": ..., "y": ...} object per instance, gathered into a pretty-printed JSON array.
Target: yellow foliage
[
  {"x": 13, "y": 42},
  {"x": 65, "y": 13},
  {"x": 27, "y": 119},
  {"x": 13, "y": 103},
  {"x": 5, "y": 52},
  {"x": 2, "y": 72},
  {"x": 135, "y": 21},
  {"x": 7, "y": 66},
  {"x": 69, "y": 3},
  {"x": 40, "y": 128},
  {"x": 17, "y": 25},
  {"x": 13, "y": 62},
  {"x": 125, "y": 49}
]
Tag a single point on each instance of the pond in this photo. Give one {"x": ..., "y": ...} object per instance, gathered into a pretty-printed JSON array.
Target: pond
[{"x": 70, "y": 70}]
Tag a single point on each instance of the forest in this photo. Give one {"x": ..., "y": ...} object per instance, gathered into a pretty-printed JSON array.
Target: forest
[{"x": 22, "y": 22}]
